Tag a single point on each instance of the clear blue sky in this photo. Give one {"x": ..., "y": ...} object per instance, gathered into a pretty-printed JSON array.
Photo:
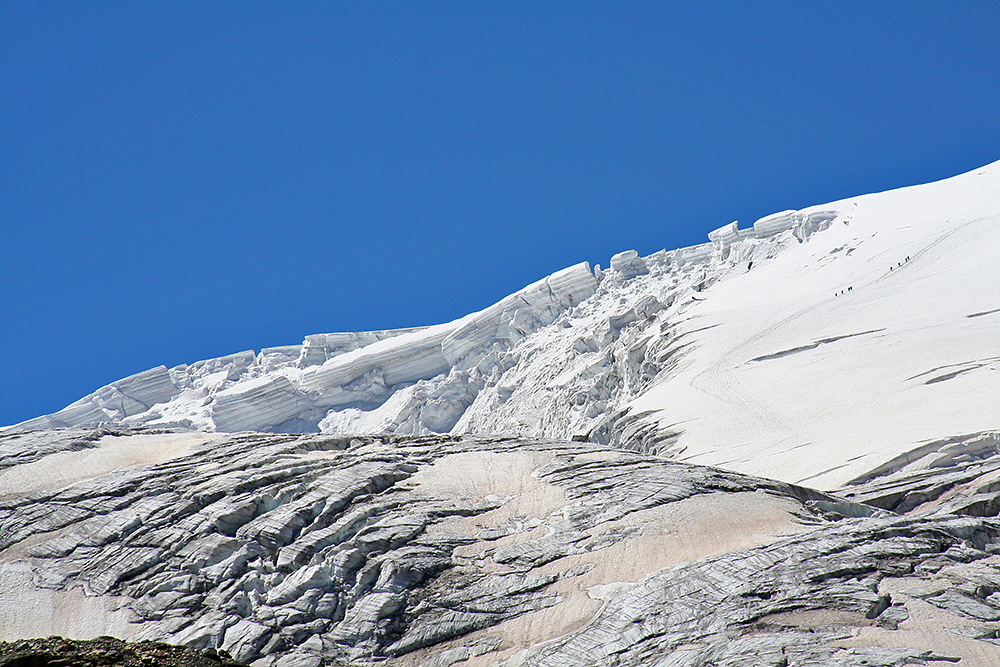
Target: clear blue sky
[{"x": 184, "y": 180}]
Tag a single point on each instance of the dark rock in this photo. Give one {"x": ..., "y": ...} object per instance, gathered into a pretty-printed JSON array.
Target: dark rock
[{"x": 106, "y": 651}]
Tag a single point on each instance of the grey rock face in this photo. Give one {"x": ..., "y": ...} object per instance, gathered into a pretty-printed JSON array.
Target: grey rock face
[{"x": 312, "y": 550}]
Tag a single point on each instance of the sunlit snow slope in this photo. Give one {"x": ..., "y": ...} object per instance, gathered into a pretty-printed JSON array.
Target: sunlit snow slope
[
  {"x": 793, "y": 377},
  {"x": 815, "y": 346}
]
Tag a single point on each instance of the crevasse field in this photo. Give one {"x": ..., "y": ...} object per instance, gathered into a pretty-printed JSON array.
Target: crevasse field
[{"x": 780, "y": 447}]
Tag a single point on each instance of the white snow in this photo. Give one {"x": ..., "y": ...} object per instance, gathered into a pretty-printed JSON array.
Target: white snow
[
  {"x": 907, "y": 357},
  {"x": 813, "y": 347}
]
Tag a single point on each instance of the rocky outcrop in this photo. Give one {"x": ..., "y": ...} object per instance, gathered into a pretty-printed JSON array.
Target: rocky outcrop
[{"x": 105, "y": 652}]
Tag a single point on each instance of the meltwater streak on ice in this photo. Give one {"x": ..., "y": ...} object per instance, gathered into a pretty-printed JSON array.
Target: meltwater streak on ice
[{"x": 814, "y": 346}]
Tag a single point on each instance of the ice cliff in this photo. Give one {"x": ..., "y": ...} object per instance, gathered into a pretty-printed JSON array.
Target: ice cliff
[{"x": 779, "y": 349}]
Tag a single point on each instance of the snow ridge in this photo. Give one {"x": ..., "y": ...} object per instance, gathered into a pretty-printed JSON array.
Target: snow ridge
[{"x": 783, "y": 349}]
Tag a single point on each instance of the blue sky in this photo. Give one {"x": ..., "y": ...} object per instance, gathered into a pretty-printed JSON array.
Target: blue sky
[{"x": 185, "y": 180}]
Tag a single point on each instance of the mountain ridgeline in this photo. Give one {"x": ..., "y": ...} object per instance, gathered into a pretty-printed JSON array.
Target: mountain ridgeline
[{"x": 779, "y": 447}]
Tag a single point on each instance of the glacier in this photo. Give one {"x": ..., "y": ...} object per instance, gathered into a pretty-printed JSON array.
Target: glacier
[
  {"x": 777, "y": 447},
  {"x": 289, "y": 550},
  {"x": 812, "y": 346}
]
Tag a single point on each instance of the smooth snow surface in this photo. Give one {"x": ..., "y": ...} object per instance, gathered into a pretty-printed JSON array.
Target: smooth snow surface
[
  {"x": 813, "y": 347},
  {"x": 792, "y": 377}
]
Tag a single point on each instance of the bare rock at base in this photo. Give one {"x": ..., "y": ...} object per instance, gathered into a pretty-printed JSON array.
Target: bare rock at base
[{"x": 106, "y": 651}]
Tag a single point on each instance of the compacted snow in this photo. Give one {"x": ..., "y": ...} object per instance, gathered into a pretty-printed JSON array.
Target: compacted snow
[
  {"x": 878, "y": 334},
  {"x": 814, "y": 346}
]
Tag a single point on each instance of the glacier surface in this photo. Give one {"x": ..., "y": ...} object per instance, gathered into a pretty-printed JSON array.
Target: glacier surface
[
  {"x": 519, "y": 487},
  {"x": 813, "y": 346}
]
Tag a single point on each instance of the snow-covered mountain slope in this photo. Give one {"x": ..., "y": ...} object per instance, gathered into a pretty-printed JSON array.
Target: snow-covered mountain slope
[
  {"x": 880, "y": 334},
  {"x": 814, "y": 347}
]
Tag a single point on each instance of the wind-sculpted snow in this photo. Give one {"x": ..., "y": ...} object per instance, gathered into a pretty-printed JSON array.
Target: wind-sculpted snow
[
  {"x": 813, "y": 346},
  {"x": 439, "y": 550}
]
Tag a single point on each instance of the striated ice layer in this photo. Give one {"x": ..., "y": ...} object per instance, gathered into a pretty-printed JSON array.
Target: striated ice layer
[
  {"x": 256, "y": 404},
  {"x": 318, "y": 348},
  {"x": 724, "y": 236},
  {"x": 521, "y": 313},
  {"x": 412, "y": 356},
  {"x": 414, "y": 380},
  {"x": 132, "y": 395}
]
